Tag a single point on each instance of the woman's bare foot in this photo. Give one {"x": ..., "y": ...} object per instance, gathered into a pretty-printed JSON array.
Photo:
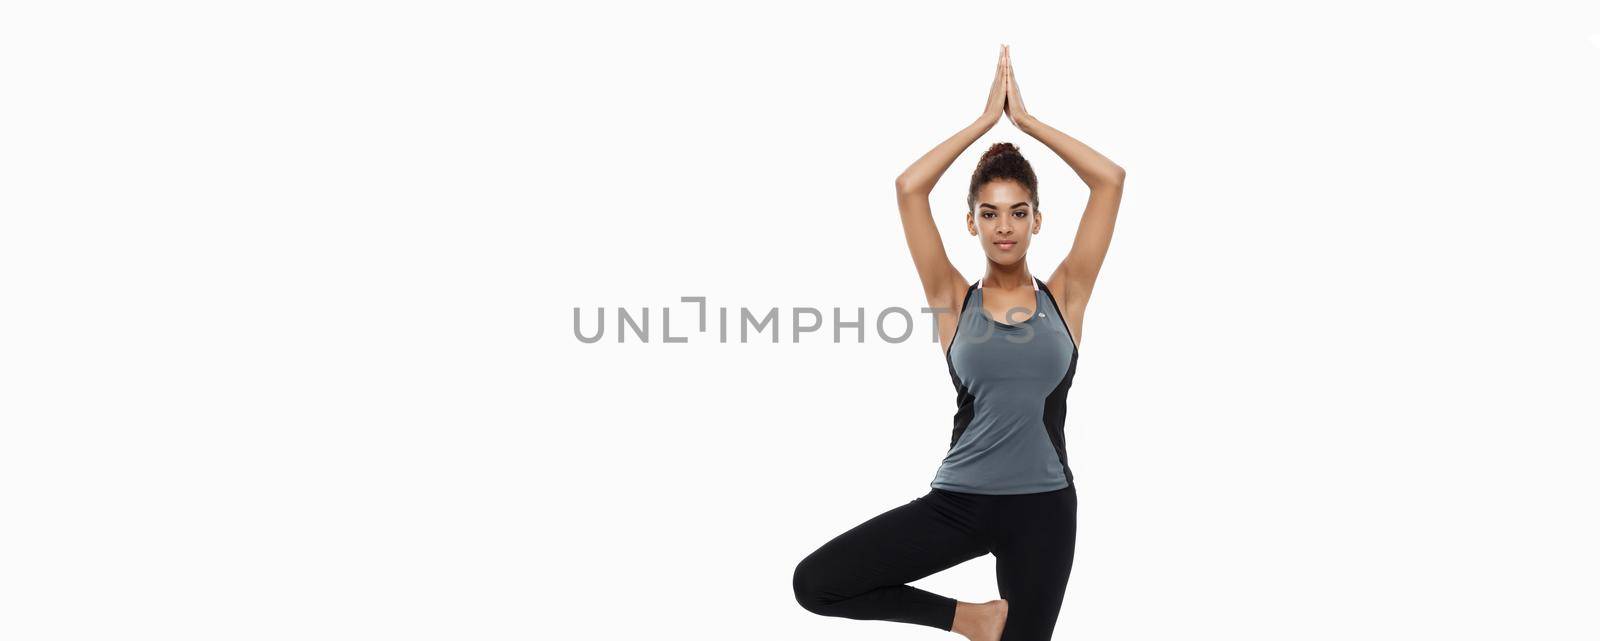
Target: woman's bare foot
[{"x": 980, "y": 621}]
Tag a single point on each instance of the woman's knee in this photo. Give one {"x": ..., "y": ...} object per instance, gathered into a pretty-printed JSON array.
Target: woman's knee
[
  {"x": 1031, "y": 616},
  {"x": 808, "y": 585}
]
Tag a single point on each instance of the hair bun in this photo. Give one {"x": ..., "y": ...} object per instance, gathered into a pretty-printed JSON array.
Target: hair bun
[
  {"x": 999, "y": 149},
  {"x": 1003, "y": 161}
]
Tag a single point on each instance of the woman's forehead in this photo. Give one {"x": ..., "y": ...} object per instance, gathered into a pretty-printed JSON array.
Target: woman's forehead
[{"x": 1002, "y": 193}]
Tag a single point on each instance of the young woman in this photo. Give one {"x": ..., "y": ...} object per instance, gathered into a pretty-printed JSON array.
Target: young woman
[{"x": 1004, "y": 487}]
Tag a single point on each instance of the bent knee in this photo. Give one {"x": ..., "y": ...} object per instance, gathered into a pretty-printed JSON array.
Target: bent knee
[{"x": 808, "y": 586}]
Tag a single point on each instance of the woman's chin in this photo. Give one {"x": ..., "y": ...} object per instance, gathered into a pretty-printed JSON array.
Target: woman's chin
[{"x": 1007, "y": 257}]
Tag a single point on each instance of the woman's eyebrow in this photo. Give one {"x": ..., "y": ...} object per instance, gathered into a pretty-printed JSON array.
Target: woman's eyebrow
[{"x": 992, "y": 206}]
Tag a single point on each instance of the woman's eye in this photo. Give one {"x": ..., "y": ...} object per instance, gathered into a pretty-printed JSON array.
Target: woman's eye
[
  {"x": 987, "y": 214},
  {"x": 1021, "y": 213}
]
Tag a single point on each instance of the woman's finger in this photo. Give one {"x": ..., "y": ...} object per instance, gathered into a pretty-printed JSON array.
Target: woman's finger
[{"x": 1011, "y": 84}]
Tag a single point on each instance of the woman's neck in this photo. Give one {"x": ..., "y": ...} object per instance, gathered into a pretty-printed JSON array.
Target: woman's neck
[{"x": 1008, "y": 277}]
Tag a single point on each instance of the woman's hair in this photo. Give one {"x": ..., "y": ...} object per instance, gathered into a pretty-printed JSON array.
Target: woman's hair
[{"x": 1003, "y": 162}]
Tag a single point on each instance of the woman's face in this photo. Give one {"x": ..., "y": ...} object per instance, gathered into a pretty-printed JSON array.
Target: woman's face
[{"x": 1004, "y": 220}]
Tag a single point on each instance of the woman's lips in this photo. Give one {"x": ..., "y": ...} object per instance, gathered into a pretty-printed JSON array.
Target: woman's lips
[{"x": 1006, "y": 244}]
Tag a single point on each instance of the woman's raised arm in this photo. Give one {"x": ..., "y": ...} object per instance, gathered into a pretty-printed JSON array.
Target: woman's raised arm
[
  {"x": 941, "y": 282},
  {"x": 1073, "y": 279}
]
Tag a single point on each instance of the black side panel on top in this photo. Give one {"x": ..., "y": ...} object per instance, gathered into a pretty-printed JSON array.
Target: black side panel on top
[
  {"x": 1055, "y": 405},
  {"x": 964, "y": 399},
  {"x": 1055, "y": 415}
]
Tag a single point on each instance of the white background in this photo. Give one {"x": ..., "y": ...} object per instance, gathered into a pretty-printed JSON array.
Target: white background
[{"x": 287, "y": 341}]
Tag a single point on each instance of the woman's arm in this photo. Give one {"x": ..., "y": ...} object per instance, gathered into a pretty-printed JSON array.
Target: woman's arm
[
  {"x": 941, "y": 282},
  {"x": 1073, "y": 279}
]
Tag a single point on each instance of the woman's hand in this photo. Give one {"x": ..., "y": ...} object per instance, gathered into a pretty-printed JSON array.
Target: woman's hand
[
  {"x": 1013, "y": 102},
  {"x": 997, "y": 93}
]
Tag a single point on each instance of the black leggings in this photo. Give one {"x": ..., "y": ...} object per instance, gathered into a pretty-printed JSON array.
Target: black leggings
[{"x": 861, "y": 574}]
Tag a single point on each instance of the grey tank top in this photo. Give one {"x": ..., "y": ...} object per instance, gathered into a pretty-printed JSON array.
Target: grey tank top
[{"x": 1011, "y": 382}]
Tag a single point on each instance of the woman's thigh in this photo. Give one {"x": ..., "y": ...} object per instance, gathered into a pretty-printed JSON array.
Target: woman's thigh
[
  {"x": 1036, "y": 537},
  {"x": 924, "y": 536}
]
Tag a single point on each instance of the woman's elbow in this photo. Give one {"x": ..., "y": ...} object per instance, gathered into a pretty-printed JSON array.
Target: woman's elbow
[
  {"x": 904, "y": 185},
  {"x": 1113, "y": 179}
]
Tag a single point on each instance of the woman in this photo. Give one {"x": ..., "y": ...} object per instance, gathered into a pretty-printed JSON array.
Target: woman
[{"x": 1004, "y": 487}]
